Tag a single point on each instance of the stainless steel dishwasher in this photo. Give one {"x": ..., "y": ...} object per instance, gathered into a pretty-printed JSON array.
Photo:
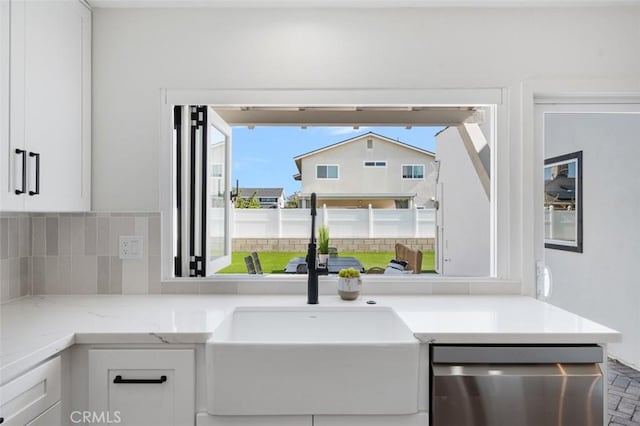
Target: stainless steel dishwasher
[{"x": 493, "y": 385}]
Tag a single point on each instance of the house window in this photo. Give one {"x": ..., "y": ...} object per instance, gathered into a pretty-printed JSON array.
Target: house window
[
  {"x": 325, "y": 171},
  {"x": 217, "y": 170},
  {"x": 369, "y": 143},
  {"x": 375, "y": 164},
  {"x": 413, "y": 171}
]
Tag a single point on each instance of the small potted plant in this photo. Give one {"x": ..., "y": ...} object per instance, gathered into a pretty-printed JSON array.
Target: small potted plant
[
  {"x": 323, "y": 245},
  {"x": 349, "y": 284}
]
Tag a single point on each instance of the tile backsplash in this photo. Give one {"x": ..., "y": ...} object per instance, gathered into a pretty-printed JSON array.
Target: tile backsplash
[
  {"x": 15, "y": 255},
  {"x": 77, "y": 253}
]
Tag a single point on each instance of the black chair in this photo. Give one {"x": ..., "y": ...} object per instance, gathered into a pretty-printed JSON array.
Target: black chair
[
  {"x": 251, "y": 268},
  {"x": 333, "y": 252},
  {"x": 256, "y": 263}
]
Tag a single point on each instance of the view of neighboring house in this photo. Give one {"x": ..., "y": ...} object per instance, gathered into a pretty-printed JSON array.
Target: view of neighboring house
[
  {"x": 369, "y": 169},
  {"x": 269, "y": 198}
]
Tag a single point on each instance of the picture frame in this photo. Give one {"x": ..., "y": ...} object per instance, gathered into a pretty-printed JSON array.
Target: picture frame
[{"x": 563, "y": 210}]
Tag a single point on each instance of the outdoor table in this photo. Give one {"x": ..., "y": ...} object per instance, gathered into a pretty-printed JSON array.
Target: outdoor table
[{"x": 334, "y": 264}]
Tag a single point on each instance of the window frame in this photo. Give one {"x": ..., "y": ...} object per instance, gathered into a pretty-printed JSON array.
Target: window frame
[
  {"x": 506, "y": 251},
  {"x": 412, "y": 166},
  {"x": 337, "y": 166},
  {"x": 569, "y": 245}
]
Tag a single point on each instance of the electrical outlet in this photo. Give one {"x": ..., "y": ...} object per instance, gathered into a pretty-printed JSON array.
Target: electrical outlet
[{"x": 130, "y": 247}]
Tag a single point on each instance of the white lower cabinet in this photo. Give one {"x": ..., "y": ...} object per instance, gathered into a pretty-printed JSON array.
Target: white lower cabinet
[
  {"x": 143, "y": 387},
  {"x": 418, "y": 419},
  {"x": 204, "y": 419},
  {"x": 31, "y": 398},
  {"x": 51, "y": 417}
]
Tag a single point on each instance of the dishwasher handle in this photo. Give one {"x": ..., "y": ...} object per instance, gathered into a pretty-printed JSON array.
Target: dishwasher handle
[{"x": 490, "y": 354}]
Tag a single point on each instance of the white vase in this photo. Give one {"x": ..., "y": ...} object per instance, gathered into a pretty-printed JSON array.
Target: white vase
[
  {"x": 323, "y": 259},
  {"x": 349, "y": 288}
]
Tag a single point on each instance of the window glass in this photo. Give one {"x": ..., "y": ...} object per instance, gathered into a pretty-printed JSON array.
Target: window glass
[
  {"x": 375, "y": 164},
  {"x": 327, "y": 172},
  {"x": 413, "y": 171},
  {"x": 217, "y": 170}
]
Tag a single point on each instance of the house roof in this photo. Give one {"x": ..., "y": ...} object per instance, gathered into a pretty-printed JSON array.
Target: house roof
[
  {"x": 261, "y": 192},
  {"x": 298, "y": 159}
]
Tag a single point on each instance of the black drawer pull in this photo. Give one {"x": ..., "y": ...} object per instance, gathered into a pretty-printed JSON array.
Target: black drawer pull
[
  {"x": 37, "y": 155},
  {"x": 119, "y": 379},
  {"x": 24, "y": 171}
]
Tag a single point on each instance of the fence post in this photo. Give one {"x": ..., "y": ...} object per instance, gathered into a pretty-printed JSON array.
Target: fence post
[
  {"x": 279, "y": 222},
  {"x": 232, "y": 220},
  {"x": 370, "y": 221},
  {"x": 415, "y": 221},
  {"x": 325, "y": 217}
]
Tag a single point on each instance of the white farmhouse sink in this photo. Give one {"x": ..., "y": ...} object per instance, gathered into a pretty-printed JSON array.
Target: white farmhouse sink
[{"x": 312, "y": 360}]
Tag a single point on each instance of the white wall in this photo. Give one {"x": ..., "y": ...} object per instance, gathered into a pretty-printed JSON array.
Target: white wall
[
  {"x": 465, "y": 210},
  {"x": 602, "y": 282},
  {"x": 138, "y": 51}
]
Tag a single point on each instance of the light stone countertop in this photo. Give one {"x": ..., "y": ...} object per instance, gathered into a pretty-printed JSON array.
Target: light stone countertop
[{"x": 37, "y": 327}]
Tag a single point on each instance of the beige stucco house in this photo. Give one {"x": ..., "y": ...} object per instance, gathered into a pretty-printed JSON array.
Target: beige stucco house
[{"x": 369, "y": 169}]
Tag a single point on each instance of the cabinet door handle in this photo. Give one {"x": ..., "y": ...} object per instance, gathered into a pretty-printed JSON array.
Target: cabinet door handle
[
  {"x": 24, "y": 171},
  {"x": 119, "y": 379},
  {"x": 37, "y": 155}
]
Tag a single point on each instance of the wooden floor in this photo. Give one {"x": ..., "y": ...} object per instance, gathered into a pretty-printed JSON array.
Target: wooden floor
[{"x": 624, "y": 395}]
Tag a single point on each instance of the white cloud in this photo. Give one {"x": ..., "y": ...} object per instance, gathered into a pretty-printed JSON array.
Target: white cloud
[{"x": 345, "y": 130}]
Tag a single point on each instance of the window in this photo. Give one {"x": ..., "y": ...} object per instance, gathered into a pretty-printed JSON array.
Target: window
[
  {"x": 324, "y": 171},
  {"x": 217, "y": 170},
  {"x": 414, "y": 178},
  {"x": 413, "y": 171},
  {"x": 563, "y": 202}
]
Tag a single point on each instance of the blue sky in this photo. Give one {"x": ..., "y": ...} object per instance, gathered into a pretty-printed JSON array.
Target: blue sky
[{"x": 263, "y": 157}]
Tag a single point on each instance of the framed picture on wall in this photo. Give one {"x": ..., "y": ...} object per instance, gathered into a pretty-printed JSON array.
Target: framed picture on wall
[{"x": 563, "y": 202}]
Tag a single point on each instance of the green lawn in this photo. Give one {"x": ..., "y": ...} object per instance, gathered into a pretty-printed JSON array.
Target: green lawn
[{"x": 274, "y": 262}]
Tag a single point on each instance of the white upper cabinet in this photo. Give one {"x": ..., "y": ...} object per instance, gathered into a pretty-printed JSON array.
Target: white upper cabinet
[{"x": 46, "y": 121}]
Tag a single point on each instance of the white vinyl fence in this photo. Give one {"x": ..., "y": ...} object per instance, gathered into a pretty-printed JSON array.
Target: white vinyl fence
[
  {"x": 560, "y": 224},
  {"x": 342, "y": 223}
]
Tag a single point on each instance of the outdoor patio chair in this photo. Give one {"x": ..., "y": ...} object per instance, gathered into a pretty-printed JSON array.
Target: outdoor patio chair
[
  {"x": 251, "y": 268},
  {"x": 333, "y": 251},
  {"x": 256, "y": 263},
  {"x": 413, "y": 257}
]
